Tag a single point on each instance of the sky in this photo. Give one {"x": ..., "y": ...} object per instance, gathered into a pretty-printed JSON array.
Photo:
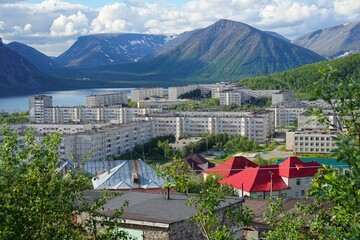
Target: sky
[{"x": 52, "y": 26}]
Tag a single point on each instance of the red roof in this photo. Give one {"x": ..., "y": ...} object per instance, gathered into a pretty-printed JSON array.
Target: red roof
[
  {"x": 232, "y": 166},
  {"x": 293, "y": 167},
  {"x": 257, "y": 179}
]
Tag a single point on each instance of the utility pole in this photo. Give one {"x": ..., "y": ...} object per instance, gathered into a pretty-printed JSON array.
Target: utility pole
[{"x": 271, "y": 183}]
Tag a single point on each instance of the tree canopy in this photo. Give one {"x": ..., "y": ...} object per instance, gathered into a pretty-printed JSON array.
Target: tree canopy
[{"x": 37, "y": 202}]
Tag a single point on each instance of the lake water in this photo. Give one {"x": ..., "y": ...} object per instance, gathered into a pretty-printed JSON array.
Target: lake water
[{"x": 60, "y": 98}]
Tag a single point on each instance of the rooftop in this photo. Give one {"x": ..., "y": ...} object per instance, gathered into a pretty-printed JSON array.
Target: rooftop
[{"x": 153, "y": 207}]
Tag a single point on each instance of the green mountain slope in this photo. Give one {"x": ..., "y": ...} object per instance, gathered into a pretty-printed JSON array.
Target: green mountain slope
[
  {"x": 301, "y": 79},
  {"x": 224, "y": 51}
]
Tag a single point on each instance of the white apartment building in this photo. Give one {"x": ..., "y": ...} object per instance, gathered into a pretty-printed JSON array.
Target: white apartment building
[
  {"x": 285, "y": 116},
  {"x": 110, "y": 99},
  {"x": 241, "y": 96},
  {"x": 282, "y": 96},
  {"x": 230, "y": 97},
  {"x": 310, "y": 141},
  {"x": 175, "y": 92},
  {"x": 161, "y": 103},
  {"x": 100, "y": 143},
  {"x": 143, "y": 93},
  {"x": 253, "y": 125},
  {"x": 37, "y": 104},
  {"x": 306, "y": 121},
  {"x": 95, "y": 114}
]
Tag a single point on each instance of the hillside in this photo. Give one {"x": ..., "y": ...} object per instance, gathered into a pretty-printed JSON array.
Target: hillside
[
  {"x": 333, "y": 42},
  {"x": 301, "y": 79},
  {"x": 224, "y": 51},
  {"x": 105, "y": 49},
  {"x": 229, "y": 49},
  {"x": 36, "y": 58}
]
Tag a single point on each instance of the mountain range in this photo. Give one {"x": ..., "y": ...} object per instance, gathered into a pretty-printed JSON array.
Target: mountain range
[
  {"x": 333, "y": 42},
  {"x": 105, "y": 49},
  {"x": 223, "y": 51}
]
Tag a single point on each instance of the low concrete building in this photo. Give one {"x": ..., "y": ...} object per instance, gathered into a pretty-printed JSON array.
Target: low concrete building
[
  {"x": 311, "y": 141},
  {"x": 289, "y": 179},
  {"x": 153, "y": 216}
]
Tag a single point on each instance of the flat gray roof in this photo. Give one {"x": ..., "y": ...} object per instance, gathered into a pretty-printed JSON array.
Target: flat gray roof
[{"x": 154, "y": 207}]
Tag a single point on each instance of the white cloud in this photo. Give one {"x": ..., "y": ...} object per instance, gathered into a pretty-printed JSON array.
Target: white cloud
[
  {"x": 71, "y": 25},
  {"x": 60, "y": 21},
  {"x": 347, "y": 7}
]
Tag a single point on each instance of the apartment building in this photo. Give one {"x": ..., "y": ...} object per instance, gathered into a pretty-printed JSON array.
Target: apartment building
[
  {"x": 95, "y": 141},
  {"x": 110, "y": 99},
  {"x": 104, "y": 141},
  {"x": 144, "y": 93},
  {"x": 175, "y": 92},
  {"x": 307, "y": 121},
  {"x": 230, "y": 97},
  {"x": 286, "y": 116},
  {"x": 161, "y": 103},
  {"x": 95, "y": 114},
  {"x": 311, "y": 141},
  {"x": 282, "y": 96},
  {"x": 241, "y": 96},
  {"x": 254, "y": 125},
  {"x": 37, "y": 104}
]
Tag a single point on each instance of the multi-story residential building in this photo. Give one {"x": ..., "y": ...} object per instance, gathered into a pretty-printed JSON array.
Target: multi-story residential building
[
  {"x": 230, "y": 97},
  {"x": 307, "y": 121},
  {"x": 106, "y": 141},
  {"x": 253, "y": 125},
  {"x": 95, "y": 141},
  {"x": 110, "y": 99},
  {"x": 175, "y": 92},
  {"x": 286, "y": 116},
  {"x": 282, "y": 96},
  {"x": 162, "y": 103},
  {"x": 37, "y": 104},
  {"x": 95, "y": 114},
  {"x": 311, "y": 141},
  {"x": 241, "y": 96},
  {"x": 144, "y": 93}
]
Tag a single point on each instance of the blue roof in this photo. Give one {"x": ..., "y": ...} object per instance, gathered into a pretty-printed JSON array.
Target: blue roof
[{"x": 323, "y": 161}]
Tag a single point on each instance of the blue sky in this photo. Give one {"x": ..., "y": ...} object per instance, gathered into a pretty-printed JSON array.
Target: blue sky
[
  {"x": 52, "y": 26},
  {"x": 100, "y": 3}
]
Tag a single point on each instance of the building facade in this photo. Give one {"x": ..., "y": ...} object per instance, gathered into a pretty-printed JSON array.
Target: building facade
[
  {"x": 175, "y": 92},
  {"x": 311, "y": 141},
  {"x": 37, "y": 105},
  {"x": 253, "y": 125},
  {"x": 144, "y": 93},
  {"x": 110, "y": 99}
]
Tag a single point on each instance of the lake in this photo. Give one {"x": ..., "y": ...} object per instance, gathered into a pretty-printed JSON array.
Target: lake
[{"x": 60, "y": 98}]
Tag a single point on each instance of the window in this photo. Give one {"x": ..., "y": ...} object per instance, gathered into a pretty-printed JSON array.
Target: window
[
  {"x": 302, "y": 192},
  {"x": 296, "y": 194},
  {"x": 298, "y": 182}
]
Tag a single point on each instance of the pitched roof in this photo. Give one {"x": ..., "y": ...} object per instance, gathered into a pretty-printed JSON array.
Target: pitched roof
[
  {"x": 257, "y": 179},
  {"x": 198, "y": 163},
  {"x": 293, "y": 167},
  {"x": 232, "y": 166},
  {"x": 122, "y": 177}
]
